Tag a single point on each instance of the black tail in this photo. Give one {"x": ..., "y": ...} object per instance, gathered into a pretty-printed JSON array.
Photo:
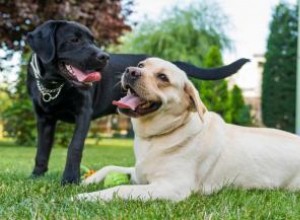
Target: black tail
[{"x": 213, "y": 73}]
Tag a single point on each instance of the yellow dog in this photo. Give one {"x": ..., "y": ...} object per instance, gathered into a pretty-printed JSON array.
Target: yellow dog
[{"x": 181, "y": 148}]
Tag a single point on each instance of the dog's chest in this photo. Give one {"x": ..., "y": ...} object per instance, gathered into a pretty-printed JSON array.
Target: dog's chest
[
  {"x": 151, "y": 164},
  {"x": 141, "y": 176},
  {"x": 148, "y": 171}
]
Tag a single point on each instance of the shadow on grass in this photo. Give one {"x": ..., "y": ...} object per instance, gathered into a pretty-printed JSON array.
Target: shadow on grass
[
  {"x": 11, "y": 143},
  {"x": 105, "y": 142}
]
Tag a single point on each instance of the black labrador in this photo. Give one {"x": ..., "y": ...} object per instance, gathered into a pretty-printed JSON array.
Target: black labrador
[{"x": 71, "y": 79}]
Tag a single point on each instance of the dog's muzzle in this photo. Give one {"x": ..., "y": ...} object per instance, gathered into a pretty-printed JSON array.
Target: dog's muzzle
[{"x": 132, "y": 74}]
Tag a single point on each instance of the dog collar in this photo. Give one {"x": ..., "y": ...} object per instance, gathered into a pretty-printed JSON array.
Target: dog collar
[{"x": 47, "y": 94}]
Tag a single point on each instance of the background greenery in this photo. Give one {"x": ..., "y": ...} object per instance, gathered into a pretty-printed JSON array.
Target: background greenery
[
  {"x": 44, "y": 198},
  {"x": 279, "y": 76}
]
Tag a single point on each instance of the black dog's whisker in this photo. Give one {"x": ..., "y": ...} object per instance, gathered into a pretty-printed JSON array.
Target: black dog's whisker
[
  {"x": 117, "y": 84},
  {"x": 118, "y": 75}
]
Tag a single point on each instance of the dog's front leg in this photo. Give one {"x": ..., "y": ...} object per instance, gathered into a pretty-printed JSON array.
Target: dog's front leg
[
  {"x": 137, "y": 192},
  {"x": 101, "y": 174},
  {"x": 46, "y": 129},
  {"x": 72, "y": 168}
]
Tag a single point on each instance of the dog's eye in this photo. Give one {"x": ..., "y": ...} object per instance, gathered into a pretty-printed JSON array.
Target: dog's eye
[
  {"x": 140, "y": 65},
  {"x": 163, "y": 77},
  {"x": 74, "y": 40}
]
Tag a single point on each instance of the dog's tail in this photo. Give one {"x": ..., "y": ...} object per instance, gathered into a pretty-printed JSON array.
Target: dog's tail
[{"x": 213, "y": 73}]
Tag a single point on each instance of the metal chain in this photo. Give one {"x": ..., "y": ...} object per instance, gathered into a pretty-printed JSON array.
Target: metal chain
[{"x": 47, "y": 94}]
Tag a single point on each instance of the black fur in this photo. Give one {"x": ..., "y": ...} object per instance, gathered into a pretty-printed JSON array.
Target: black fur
[{"x": 57, "y": 41}]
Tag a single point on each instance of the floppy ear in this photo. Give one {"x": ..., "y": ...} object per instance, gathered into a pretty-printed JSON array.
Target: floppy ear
[
  {"x": 195, "y": 99},
  {"x": 42, "y": 40}
]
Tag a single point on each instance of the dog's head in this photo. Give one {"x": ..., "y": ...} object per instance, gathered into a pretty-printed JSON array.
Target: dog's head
[
  {"x": 68, "y": 49},
  {"x": 158, "y": 93}
]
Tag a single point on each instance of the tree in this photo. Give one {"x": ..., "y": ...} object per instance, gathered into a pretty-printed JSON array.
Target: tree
[
  {"x": 240, "y": 112},
  {"x": 184, "y": 34},
  {"x": 279, "y": 75},
  {"x": 215, "y": 94},
  {"x": 195, "y": 34},
  {"x": 105, "y": 18}
]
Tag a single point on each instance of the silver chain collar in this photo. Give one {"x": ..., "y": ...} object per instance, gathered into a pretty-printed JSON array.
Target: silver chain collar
[{"x": 47, "y": 94}]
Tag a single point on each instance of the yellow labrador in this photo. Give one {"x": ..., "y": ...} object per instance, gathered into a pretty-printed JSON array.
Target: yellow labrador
[{"x": 181, "y": 148}]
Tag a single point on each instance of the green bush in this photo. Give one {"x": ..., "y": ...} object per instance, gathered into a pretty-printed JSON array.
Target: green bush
[{"x": 18, "y": 117}]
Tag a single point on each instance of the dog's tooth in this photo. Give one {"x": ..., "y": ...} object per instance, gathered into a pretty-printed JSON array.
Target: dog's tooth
[
  {"x": 69, "y": 68},
  {"x": 145, "y": 104},
  {"x": 88, "y": 83}
]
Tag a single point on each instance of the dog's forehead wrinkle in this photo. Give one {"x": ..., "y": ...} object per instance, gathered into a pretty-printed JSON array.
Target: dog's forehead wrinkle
[
  {"x": 74, "y": 30},
  {"x": 162, "y": 66},
  {"x": 81, "y": 28}
]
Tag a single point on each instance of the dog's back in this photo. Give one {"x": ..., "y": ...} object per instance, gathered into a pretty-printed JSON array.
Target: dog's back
[{"x": 254, "y": 158}]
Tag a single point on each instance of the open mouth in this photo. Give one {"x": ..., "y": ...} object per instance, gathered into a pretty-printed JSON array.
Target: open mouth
[
  {"x": 77, "y": 76},
  {"x": 135, "y": 106}
]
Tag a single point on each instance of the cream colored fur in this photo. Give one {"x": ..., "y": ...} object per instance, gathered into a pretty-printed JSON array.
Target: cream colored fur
[{"x": 182, "y": 148}]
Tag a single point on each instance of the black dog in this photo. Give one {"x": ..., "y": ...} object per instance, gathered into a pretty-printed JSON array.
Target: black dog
[{"x": 61, "y": 76}]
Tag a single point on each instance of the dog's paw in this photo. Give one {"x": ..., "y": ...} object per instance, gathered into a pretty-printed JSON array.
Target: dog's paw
[
  {"x": 102, "y": 195},
  {"x": 85, "y": 183},
  {"x": 70, "y": 179},
  {"x": 86, "y": 197},
  {"x": 36, "y": 176},
  {"x": 38, "y": 172},
  {"x": 89, "y": 180}
]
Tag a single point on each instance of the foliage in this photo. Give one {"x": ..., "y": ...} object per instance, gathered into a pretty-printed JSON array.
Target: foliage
[
  {"x": 21, "y": 198},
  {"x": 184, "y": 34},
  {"x": 279, "y": 76},
  {"x": 195, "y": 34},
  {"x": 105, "y": 18},
  {"x": 18, "y": 118},
  {"x": 5, "y": 101},
  {"x": 240, "y": 113},
  {"x": 63, "y": 134},
  {"x": 215, "y": 94}
]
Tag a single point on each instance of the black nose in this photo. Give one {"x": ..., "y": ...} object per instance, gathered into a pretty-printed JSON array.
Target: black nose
[
  {"x": 133, "y": 72},
  {"x": 103, "y": 57}
]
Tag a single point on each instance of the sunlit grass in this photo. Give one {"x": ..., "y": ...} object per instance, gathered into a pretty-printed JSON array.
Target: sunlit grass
[{"x": 44, "y": 198}]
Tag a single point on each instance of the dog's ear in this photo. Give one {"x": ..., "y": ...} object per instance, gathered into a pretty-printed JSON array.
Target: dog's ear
[
  {"x": 42, "y": 40},
  {"x": 197, "y": 104}
]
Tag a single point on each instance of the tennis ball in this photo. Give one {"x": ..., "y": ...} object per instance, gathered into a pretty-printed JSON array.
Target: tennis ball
[{"x": 114, "y": 179}]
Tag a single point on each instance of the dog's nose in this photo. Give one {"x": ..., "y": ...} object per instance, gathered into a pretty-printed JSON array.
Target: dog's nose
[
  {"x": 103, "y": 57},
  {"x": 133, "y": 72}
]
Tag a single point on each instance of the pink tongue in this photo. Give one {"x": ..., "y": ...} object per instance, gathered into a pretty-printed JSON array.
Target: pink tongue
[
  {"x": 129, "y": 101},
  {"x": 86, "y": 77}
]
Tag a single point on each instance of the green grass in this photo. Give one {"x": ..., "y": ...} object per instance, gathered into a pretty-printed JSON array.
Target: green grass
[{"x": 44, "y": 198}]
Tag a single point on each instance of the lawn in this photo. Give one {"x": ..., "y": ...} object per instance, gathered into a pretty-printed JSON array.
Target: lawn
[{"x": 44, "y": 198}]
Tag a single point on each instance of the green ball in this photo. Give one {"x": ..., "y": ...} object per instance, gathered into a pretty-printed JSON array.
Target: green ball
[{"x": 114, "y": 179}]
